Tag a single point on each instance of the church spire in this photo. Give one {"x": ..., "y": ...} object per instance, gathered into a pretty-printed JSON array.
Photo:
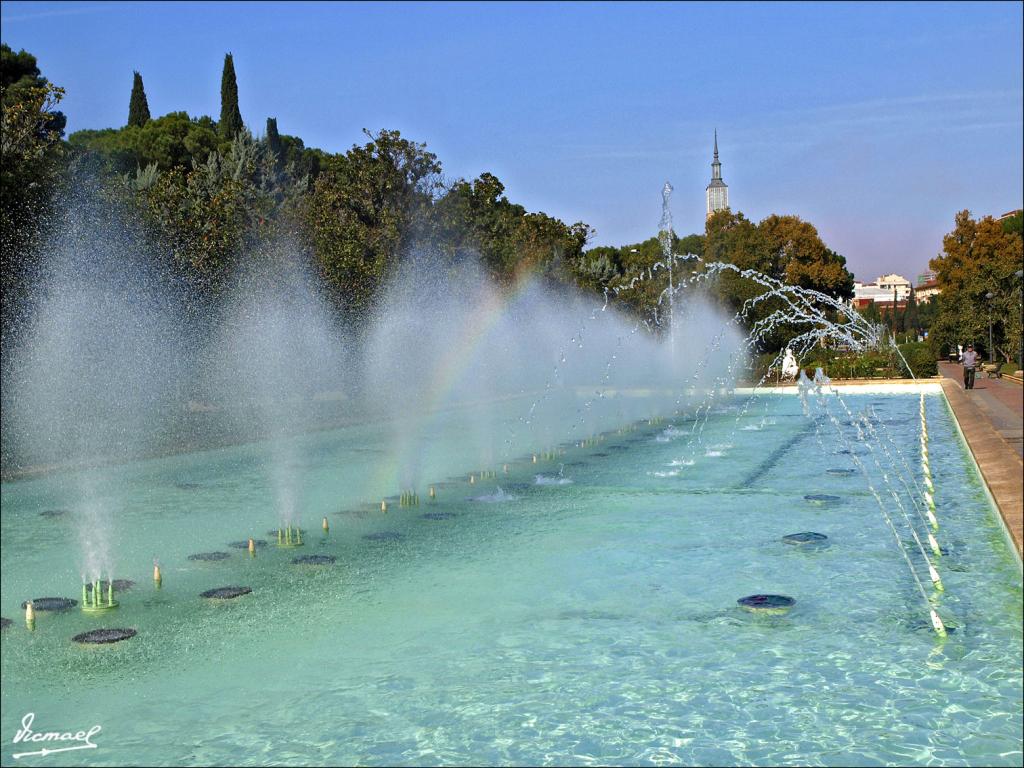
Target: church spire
[
  {"x": 717, "y": 191},
  {"x": 716, "y": 166}
]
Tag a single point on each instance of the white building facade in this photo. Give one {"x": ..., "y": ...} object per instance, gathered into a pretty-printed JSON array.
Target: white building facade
[
  {"x": 894, "y": 283},
  {"x": 884, "y": 289}
]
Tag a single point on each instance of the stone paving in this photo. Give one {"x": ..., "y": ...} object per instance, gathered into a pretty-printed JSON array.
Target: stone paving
[{"x": 1001, "y": 400}]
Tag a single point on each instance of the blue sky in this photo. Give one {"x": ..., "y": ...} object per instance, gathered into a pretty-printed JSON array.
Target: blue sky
[{"x": 876, "y": 122}]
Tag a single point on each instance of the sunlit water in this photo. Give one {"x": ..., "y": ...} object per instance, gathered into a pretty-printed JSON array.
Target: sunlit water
[{"x": 585, "y": 622}]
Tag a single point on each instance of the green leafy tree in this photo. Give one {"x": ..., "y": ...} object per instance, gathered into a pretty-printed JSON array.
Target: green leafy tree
[
  {"x": 172, "y": 141},
  {"x": 207, "y": 217},
  {"x": 21, "y": 82},
  {"x": 799, "y": 257},
  {"x": 363, "y": 210},
  {"x": 784, "y": 248},
  {"x": 1014, "y": 224},
  {"x": 274, "y": 140},
  {"x": 138, "y": 106},
  {"x": 691, "y": 244},
  {"x": 31, "y": 152},
  {"x": 979, "y": 258},
  {"x": 230, "y": 117},
  {"x": 910, "y": 321},
  {"x": 598, "y": 267},
  {"x": 478, "y": 218}
]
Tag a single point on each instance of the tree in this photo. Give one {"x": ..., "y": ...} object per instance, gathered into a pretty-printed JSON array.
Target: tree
[
  {"x": 911, "y": 323},
  {"x": 799, "y": 257},
  {"x": 691, "y": 244},
  {"x": 783, "y": 248},
  {"x": 210, "y": 215},
  {"x": 274, "y": 140},
  {"x": 230, "y": 116},
  {"x": 979, "y": 258},
  {"x": 172, "y": 141},
  {"x": 1014, "y": 224},
  {"x": 363, "y": 212},
  {"x": 138, "y": 106},
  {"x": 21, "y": 81},
  {"x": 477, "y": 218},
  {"x": 30, "y": 162}
]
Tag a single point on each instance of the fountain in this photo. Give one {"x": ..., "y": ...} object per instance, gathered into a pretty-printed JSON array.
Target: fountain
[{"x": 453, "y": 379}]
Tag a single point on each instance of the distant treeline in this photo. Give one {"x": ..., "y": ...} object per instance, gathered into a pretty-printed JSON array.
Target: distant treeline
[{"x": 208, "y": 193}]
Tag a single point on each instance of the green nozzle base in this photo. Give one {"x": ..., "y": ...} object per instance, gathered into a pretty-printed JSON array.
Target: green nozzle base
[
  {"x": 101, "y": 608},
  {"x": 292, "y": 545}
]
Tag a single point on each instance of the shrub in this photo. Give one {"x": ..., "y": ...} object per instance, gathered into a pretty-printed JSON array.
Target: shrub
[{"x": 920, "y": 358}]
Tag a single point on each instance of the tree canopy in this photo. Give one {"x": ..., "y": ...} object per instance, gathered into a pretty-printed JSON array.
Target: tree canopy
[
  {"x": 979, "y": 258},
  {"x": 31, "y": 128}
]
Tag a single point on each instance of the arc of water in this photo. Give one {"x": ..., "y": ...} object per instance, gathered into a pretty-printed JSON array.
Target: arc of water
[
  {"x": 885, "y": 476},
  {"x": 857, "y": 332},
  {"x": 932, "y": 572},
  {"x": 885, "y": 441},
  {"x": 931, "y": 567}
]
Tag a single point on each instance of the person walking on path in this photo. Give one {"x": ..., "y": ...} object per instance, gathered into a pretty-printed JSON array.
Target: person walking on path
[{"x": 970, "y": 360}]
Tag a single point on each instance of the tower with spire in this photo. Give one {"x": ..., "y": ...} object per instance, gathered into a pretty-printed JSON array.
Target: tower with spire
[{"x": 718, "y": 191}]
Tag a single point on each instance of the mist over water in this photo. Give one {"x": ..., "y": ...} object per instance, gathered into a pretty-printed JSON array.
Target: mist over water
[
  {"x": 117, "y": 364},
  {"x": 446, "y": 338},
  {"x": 95, "y": 375},
  {"x": 275, "y": 354}
]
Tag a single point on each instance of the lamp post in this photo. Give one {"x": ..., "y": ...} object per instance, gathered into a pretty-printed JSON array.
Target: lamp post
[{"x": 991, "y": 349}]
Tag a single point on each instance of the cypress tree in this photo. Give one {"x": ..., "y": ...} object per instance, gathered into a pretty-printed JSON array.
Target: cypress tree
[
  {"x": 274, "y": 139},
  {"x": 230, "y": 116},
  {"x": 138, "y": 107}
]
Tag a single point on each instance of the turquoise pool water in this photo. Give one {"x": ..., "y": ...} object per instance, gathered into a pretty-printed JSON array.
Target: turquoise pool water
[{"x": 591, "y": 621}]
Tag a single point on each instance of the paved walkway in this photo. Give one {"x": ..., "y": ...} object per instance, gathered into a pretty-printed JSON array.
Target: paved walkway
[
  {"x": 1002, "y": 402},
  {"x": 991, "y": 417}
]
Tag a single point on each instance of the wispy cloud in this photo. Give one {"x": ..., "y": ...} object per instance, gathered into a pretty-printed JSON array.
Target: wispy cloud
[
  {"x": 68, "y": 10},
  {"x": 788, "y": 129}
]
